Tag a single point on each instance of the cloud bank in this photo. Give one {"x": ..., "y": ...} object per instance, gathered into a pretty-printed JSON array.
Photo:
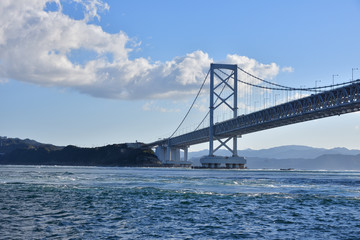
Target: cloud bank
[{"x": 47, "y": 47}]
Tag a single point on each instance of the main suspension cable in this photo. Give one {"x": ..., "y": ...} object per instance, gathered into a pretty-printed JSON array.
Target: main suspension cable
[
  {"x": 278, "y": 89},
  {"x": 197, "y": 95},
  {"x": 263, "y": 80},
  {"x": 286, "y": 88}
]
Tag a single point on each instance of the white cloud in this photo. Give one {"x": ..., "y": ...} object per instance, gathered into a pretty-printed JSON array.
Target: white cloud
[
  {"x": 287, "y": 69},
  {"x": 267, "y": 71},
  {"x": 36, "y": 46},
  {"x": 92, "y": 8},
  {"x": 151, "y": 106},
  {"x": 202, "y": 107}
]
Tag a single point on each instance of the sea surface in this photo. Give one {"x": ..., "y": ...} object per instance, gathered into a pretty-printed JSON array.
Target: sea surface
[{"x": 51, "y": 202}]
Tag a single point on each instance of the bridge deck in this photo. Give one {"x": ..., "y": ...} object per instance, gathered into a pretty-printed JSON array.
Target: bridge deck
[{"x": 338, "y": 101}]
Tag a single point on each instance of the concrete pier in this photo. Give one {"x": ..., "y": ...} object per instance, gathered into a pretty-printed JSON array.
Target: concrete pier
[
  {"x": 223, "y": 162},
  {"x": 170, "y": 156}
]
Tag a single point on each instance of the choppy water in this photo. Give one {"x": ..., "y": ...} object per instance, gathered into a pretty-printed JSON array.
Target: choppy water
[{"x": 144, "y": 203}]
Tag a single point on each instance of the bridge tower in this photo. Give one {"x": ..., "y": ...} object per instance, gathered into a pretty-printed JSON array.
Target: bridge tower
[{"x": 222, "y": 81}]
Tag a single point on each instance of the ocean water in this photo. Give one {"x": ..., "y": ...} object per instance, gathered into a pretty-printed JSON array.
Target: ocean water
[{"x": 43, "y": 202}]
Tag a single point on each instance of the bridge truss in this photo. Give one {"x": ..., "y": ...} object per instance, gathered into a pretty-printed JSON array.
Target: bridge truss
[{"x": 326, "y": 104}]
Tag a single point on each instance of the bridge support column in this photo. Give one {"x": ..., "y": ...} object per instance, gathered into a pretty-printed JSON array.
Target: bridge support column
[
  {"x": 160, "y": 152},
  {"x": 170, "y": 156},
  {"x": 174, "y": 154},
  {"x": 234, "y": 151},
  {"x": 186, "y": 149}
]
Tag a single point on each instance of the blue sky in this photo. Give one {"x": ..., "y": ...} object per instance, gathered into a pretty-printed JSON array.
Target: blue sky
[{"x": 91, "y": 72}]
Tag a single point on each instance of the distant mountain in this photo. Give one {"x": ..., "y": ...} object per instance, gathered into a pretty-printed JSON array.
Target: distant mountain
[
  {"x": 30, "y": 152},
  {"x": 324, "y": 162},
  {"x": 283, "y": 152},
  {"x": 8, "y": 145},
  {"x": 294, "y": 151},
  {"x": 298, "y": 157}
]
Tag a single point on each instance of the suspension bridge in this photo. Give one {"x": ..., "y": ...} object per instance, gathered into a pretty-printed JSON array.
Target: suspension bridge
[{"x": 282, "y": 105}]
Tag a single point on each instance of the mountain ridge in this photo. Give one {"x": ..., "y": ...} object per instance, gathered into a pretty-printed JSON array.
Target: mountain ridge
[
  {"x": 283, "y": 152},
  {"x": 293, "y": 156}
]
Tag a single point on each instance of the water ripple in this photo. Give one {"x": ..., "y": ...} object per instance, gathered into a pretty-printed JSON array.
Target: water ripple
[{"x": 130, "y": 203}]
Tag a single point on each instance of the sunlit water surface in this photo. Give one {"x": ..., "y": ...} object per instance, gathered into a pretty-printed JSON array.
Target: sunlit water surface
[{"x": 42, "y": 202}]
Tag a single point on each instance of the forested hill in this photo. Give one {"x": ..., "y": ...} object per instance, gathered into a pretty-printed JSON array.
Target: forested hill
[
  {"x": 29, "y": 152},
  {"x": 8, "y": 145}
]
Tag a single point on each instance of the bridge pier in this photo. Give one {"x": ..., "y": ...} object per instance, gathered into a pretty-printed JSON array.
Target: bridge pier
[
  {"x": 223, "y": 162},
  {"x": 170, "y": 156}
]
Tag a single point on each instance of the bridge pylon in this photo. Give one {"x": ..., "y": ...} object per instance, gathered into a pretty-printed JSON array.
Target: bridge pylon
[{"x": 219, "y": 82}]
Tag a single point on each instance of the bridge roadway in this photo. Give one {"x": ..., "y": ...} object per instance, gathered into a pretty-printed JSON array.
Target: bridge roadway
[{"x": 338, "y": 101}]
